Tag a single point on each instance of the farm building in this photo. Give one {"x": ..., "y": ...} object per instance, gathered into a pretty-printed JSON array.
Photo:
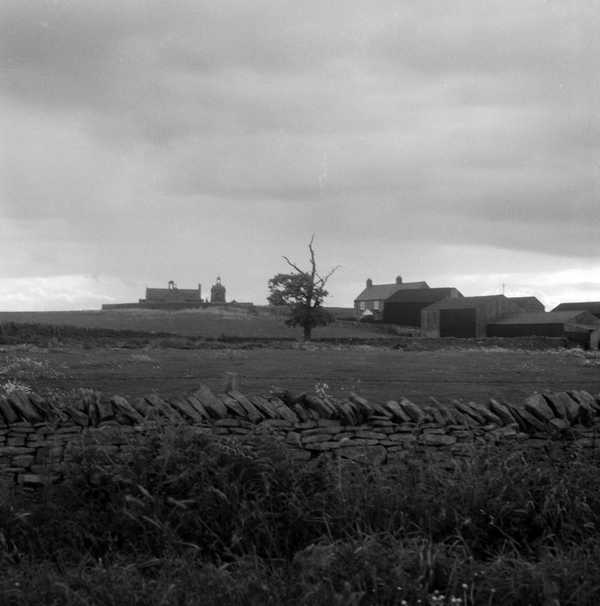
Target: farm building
[
  {"x": 404, "y": 306},
  {"x": 172, "y": 295},
  {"x": 373, "y": 297},
  {"x": 528, "y": 303},
  {"x": 465, "y": 316},
  {"x": 592, "y": 307},
  {"x": 170, "y": 298},
  {"x": 576, "y": 325}
]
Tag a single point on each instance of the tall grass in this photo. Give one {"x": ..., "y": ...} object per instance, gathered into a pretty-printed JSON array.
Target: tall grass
[{"x": 198, "y": 519}]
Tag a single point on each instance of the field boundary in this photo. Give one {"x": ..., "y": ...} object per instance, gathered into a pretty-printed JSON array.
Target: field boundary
[{"x": 38, "y": 438}]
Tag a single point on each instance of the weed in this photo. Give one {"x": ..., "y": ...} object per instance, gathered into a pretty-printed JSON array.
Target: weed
[{"x": 183, "y": 516}]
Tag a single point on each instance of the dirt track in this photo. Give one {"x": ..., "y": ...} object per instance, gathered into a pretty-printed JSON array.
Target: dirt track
[{"x": 376, "y": 373}]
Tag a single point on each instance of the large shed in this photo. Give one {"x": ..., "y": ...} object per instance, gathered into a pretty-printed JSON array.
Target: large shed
[
  {"x": 465, "y": 317},
  {"x": 592, "y": 307},
  {"x": 528, "y": 303},
  {"x": 404, "y": 307},
  {"x": 575, "y": 325}
]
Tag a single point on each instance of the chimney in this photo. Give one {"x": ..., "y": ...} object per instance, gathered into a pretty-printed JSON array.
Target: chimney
[
  {"x": 398, "y": 279},
  {"x": 369, "y": 283},
  {"x": 200, "y": 291}
]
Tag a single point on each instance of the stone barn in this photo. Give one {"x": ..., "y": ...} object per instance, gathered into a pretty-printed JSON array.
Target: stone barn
[
  {"x": 578, "y": 326},
  {"x": 404, "y": 306},
  {"x": 592, "y": 307},
  {"x": 172, "y": 297},
  {"x": 465, "y": 317}
]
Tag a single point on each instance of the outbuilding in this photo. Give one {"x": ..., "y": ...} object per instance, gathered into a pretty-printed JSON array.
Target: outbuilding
[
  {"x": 592, "y": 307},
  {"x": 465, "y": 316},
  {"x": 578, "y": 326},
  {"x": 404, "y": 306},
  {"x": 528, "y": 303}
]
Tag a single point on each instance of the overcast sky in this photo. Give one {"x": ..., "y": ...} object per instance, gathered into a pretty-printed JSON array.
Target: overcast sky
[{"x": 143, "y": 141}]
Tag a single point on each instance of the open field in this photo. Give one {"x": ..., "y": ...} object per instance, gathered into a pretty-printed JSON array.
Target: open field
[
  {"x": 378, "y": 373},
  {"x": 212, "y": 322}
]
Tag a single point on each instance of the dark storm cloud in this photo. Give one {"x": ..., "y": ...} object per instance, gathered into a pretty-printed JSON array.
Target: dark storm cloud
[{"x": 451, "y": 123}]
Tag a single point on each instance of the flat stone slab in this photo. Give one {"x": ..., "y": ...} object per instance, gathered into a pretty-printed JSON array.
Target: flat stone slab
[{"x": 537, "y": 406}]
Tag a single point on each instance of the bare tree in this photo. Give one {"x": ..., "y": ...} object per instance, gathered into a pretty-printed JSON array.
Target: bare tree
[{"x": 303, "y": 292}]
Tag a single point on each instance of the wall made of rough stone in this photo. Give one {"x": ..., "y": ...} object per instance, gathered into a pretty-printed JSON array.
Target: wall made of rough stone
[{"x": 37, "y": 439}]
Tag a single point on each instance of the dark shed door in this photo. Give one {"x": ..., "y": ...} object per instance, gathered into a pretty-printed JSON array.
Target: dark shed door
[
  {"x": 405, "y": 313},
  {"x": 458, "y": 323}
]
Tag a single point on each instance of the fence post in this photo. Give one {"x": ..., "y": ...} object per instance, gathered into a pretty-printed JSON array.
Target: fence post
[{"x": 232, "y": 381}]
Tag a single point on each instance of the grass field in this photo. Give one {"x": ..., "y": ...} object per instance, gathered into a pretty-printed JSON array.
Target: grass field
[
  {"x": 375, "y": 372},
  {"x": 212, "y": 322}
]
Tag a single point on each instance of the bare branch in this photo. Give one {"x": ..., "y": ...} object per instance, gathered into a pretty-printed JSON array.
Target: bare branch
[
  {"x": 323, "y": 280},
  {"x": 312, "y": 257},
  {"x": 293, "y": 265}
]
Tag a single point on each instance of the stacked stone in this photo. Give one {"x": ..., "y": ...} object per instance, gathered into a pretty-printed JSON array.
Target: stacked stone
[
  {"x": 36, "y": 438},
  {"x": 540, "y": 412}
]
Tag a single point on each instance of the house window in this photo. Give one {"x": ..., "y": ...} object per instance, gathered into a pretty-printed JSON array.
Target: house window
[
  {"x": 376, "y": 305},
  {"x": 362, "y": 306}
]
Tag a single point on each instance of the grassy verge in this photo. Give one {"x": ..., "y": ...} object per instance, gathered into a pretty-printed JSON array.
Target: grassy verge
[{"x": 187, "y": 519}]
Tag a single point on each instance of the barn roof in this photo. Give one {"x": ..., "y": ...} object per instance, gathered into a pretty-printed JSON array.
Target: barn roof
[
  {"x": 528, "y": 303},
  {"x": 551, "y": 317},
  {"x": 592, "y": 307},
  {"x": 422, "y": 295},
  {"x": 384, "y": 291},
  {"x": 465, "y": 302}
]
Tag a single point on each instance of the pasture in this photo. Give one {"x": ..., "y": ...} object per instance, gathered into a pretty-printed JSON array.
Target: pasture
[
  {"x": 211, "y": 322},
  {"x": 377, "y": 372}
]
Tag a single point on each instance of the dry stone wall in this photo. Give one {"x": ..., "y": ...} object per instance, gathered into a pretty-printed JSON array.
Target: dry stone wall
[{"x": 37, "y": 438}]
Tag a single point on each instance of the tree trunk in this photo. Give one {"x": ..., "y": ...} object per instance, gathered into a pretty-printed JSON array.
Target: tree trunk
[{"x": 307, "y": 333}]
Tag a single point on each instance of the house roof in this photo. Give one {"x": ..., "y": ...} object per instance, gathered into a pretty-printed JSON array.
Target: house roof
[
  {"x": 551, "y": 317},
  {"x": 422, "y": 295},
  {"x": 592, "y": 307},
  {"x": 528, "y": 303},
  {"x": 380, "y": 292},
  {"x": 465, "y": 302}
]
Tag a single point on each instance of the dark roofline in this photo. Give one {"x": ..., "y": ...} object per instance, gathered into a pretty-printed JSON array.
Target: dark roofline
[
  {"x": 379, "y": 292},
  {"x": 424, "y": 295},
  {"x": 574, "y": 305}
]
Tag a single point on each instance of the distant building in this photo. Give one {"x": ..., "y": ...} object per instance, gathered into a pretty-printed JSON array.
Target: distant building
[
  {"x": 592, "y": 307},
  {"x": 373, "y": 297},
  {"x": 172, "y": 295},
  {"x": 170, "y": 298},
  {"x": 404, "y": 306},
  {"x": 528, "y": 303},
  {"x": 576, "y": 325},
  {"x": 217, "y": 292},
  {"x": 465, "y": 316}
]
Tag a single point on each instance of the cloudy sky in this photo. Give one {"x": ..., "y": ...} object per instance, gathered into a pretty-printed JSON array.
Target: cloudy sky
[{"x": 142, "y": 141}]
